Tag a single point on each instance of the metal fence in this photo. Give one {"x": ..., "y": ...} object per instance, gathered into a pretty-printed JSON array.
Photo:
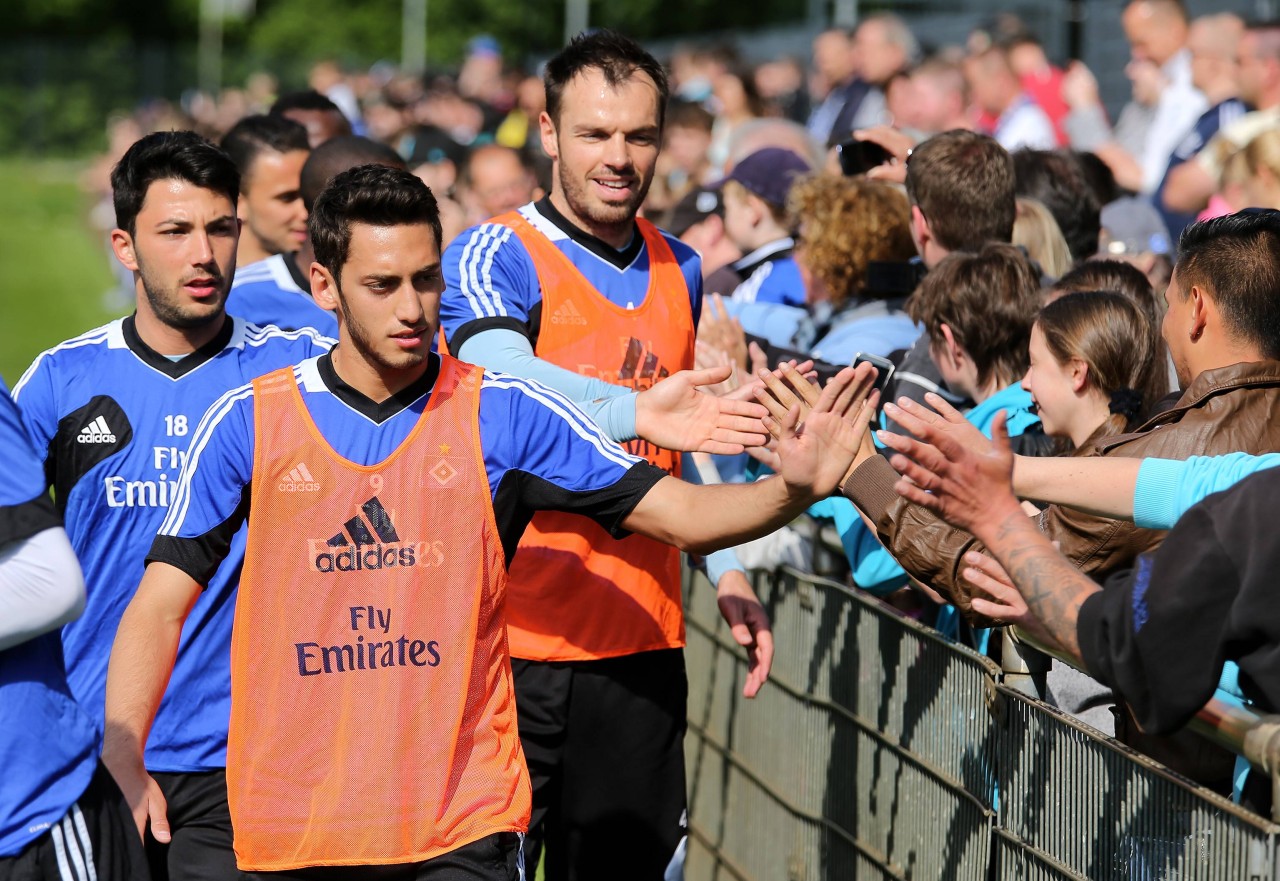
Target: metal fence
[{"x": 880, "y": 750}]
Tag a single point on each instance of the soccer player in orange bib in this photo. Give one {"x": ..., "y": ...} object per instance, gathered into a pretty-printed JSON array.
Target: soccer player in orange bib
[
  {"x": 579, "y": 293},
  {"x": 386, "y": 487}
]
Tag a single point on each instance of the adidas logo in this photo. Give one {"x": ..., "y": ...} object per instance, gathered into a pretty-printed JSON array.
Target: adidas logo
[
  {"x": 371, "y": 542},
  {"x": 567, "y": 313},
  {"x": 299, "y": 480},
  {"x": 96, "y": 432}
]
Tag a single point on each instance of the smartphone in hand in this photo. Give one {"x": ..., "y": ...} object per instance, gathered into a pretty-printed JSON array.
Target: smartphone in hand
[
  {"x": 859, "y": 157},
  {"x": 884, "y": 368}
]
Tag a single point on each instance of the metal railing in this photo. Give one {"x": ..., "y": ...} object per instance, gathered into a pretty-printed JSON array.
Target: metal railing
[
  {"x": 1238, "y": 729},
  {"x": 881, "y": 750}
]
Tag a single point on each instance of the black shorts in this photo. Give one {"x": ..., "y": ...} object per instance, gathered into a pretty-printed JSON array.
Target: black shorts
[
  {"x": 492, "y": 858},
  {"x": 604, "y": 741},
  {"x": 200, "y": 829},
  {"x": 95, "y": 839}
]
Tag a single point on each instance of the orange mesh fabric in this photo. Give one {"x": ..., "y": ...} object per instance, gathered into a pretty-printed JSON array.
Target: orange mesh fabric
[
  {"x": 372, "y": 715},
  {"x": 575, "y": 592}
]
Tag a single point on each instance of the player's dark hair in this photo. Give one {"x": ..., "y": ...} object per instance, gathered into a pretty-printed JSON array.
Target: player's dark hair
[
  {"x": 618, "y": 57},
  {"x": 169, "y": 156},
  {"x": 339, "y": 154},
  {"x": 309, "y": 99},
  {"x": 253, "y": 134},
  {"x": 372, "y": 194},
  {"x": 1236, "y": 260}
]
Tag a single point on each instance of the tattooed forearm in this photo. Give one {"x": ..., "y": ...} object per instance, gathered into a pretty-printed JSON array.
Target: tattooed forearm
[{"x": 1053, "y": 589}]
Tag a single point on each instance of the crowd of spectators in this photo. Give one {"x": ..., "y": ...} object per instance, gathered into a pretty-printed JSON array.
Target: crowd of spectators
[{"x": 968, "y": 218}]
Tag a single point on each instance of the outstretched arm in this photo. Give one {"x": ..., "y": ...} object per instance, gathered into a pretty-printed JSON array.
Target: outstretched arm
[
  {"x": 1096, "y": 485},
  {"x": 974, "y": 492},
  {"x": 674, "y": 414},
  {"x": 814, "y": 457},
  {"x": 141, "y": 663}
]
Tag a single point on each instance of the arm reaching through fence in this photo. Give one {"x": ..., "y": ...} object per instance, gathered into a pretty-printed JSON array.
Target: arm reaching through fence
[{"x": 973, "y": 490}]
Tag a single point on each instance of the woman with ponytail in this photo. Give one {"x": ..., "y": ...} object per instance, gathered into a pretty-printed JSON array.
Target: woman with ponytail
[{"x": 1096, "y": 366}]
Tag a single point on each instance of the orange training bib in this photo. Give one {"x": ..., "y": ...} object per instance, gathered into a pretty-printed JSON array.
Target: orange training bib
[
  {"x": 575, "y": 592},
  {"x": 372, "y": 716}
]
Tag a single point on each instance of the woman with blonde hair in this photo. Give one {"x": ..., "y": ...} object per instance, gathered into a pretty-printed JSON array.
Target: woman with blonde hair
[
  {"x": 1261, "y": 158},
  {"x": 1035, "y": 230}
]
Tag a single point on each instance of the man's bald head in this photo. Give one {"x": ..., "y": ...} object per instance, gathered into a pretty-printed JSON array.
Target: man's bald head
[
  {"x": 1156, "y": 29},
  {"x": 493, "y": 181},
  {"x": 339, "y": 154},
  {"x": 1214, "y": 41},
  {"x": 1216, "y": 34}
]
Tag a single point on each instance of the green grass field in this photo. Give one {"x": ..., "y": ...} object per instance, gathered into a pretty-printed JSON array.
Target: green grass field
[{"x": 53, "y": 266}]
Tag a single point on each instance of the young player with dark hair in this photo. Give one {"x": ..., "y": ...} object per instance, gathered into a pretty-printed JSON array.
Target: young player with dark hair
[
  {"x": 269, "y": 152},
  {"x": 277, "y": 290},
  {"x": 112, "y": 412}
]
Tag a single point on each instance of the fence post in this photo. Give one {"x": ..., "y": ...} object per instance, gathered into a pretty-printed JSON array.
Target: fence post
[{"x": 1025, "y": 668}]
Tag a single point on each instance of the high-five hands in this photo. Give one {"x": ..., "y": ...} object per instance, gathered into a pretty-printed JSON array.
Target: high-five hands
[
  {"x": 677, "y": 414},
  {"x": 819, "y": 434},
  {"x": 953, "y": 470}
]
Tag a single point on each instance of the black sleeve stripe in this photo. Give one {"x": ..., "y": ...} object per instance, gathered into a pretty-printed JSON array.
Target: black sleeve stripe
[
  {"x": 479, "y": 325},
  {"x": 24, "y": 520},
  {"x": 520, "y": 494},
  {"x": 200, "y": 557}
]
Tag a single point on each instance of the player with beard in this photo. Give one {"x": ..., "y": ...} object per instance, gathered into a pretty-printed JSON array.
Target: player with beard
[
  {"x": 576, "y": 292},
  {"x": 111, "y": 412}
]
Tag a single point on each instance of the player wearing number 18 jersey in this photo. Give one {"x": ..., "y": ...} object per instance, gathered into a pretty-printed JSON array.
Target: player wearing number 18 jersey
[{"x": 113, "y": 410}]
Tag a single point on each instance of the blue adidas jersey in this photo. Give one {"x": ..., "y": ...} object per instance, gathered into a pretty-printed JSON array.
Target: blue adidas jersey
[
  {"x": 539, "y": 451},
  {"x": 490, "y": 280},
  {"x": 266, "y": 292},
  {"x": 113, "y": 419},
  {"x": 48, "y": 744},
  {"x": 770, "y": 275}
]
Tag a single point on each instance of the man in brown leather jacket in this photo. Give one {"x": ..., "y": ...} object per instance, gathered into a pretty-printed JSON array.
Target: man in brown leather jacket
[{"x": 1223, "y": 331}]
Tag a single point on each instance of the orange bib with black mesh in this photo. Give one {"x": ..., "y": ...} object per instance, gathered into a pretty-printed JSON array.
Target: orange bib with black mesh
[
  {"x": 575, "y": 592},
  {"x": 372, "y": 714}
]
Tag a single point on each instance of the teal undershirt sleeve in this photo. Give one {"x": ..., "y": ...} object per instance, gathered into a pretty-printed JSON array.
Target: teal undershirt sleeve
[{"x": 612, "y": 407}]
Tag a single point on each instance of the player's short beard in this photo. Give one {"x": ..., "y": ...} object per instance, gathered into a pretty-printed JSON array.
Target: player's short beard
[
  {"x": 594, "y": 211},
  {"x": 165, "y": 304},
  {"x": 362, "y": 340}
]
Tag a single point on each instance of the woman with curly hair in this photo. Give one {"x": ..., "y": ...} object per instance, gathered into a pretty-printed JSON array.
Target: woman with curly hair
[{"x": 854, "y": 250}]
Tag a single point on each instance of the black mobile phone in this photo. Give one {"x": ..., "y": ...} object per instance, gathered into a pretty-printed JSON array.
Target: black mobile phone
[
  {"x": 884, "y": 367},
  {"x": 859, "y": 157}
]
